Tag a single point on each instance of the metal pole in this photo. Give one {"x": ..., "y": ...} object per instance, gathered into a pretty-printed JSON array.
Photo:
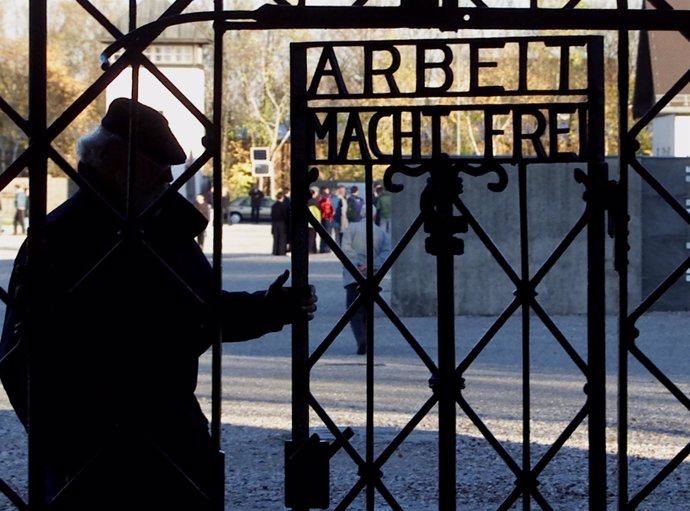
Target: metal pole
[
  {"x": 300, "y": 255},
  {"x": 526, "y": 369},
  {"x": 369, "y": 312},
  {"x": 38, "y": 171},
  {"x": 621, "y": 256},
  {"x": 596, "y": 290},
  {"x": 218, "y": 497},
  {"x": 447, "y": 378}
]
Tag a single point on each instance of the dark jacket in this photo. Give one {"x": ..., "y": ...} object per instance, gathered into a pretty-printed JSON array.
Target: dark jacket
[{"x": 128, "y": 313}]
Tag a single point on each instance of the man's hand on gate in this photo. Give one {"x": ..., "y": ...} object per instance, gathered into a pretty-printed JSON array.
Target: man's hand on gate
[{"x": 290, "y": 302}]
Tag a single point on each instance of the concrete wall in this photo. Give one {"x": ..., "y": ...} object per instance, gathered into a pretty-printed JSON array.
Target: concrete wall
[
  {"x": 665, "y": 234},
  {"x": 554, "y": 205},
  {"x": 670, "y": 136}
]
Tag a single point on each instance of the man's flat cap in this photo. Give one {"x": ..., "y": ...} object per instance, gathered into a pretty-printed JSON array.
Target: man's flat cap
[{"x": 153, "y": 136}]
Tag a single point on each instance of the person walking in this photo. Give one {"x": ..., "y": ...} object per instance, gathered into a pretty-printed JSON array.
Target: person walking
[
  {"x": 313, "y": 205},
  {"x": 355, "y": 247},
  {"x": 127, "y": 308},
  {"x": 280, "y": 216},
  {"x": 327, "y": 214},
  {"x": 20, "y": 202},
  {"x": 205, "y": 209}
]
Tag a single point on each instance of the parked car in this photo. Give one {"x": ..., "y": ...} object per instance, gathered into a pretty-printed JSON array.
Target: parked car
[{"x": 241, "y": 209}]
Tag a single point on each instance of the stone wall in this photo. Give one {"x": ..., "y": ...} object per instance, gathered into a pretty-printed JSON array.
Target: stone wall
[
  {"x": 665, "y": 233},
  {"x": 481, "y": 285}
]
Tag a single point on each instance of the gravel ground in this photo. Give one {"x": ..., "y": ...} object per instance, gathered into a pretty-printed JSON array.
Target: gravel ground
[{"x": 256, "y": 403}]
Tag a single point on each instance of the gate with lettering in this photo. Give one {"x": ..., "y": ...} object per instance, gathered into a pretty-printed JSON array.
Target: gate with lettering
[{"x": 392, "y": 108}]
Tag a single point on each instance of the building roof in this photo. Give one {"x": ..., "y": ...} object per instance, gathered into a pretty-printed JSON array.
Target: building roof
[
  {"x": 663, "y": 58},
  {"x": 150, "y": 11}
]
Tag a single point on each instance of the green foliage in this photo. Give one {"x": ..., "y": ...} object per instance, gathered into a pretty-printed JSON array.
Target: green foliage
[{"x": 237, "y": 175}]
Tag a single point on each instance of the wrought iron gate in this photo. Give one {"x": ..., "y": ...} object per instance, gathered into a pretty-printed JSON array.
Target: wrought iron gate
[
  {"x": 443, "y": 214},
  {"x": 440, "y": 203}
]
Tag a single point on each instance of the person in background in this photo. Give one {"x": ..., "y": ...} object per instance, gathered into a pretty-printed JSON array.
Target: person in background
[
  {"x": 256, "y": 196},
  {"x": 20, "y": 202},
  {"x": 354, "y": 246},
  {"x": 225, "y": 204},
  {"x": 280, "y": 216},
  {"x": 288, "y": 207},
  {"x": 327, "y": 214},
  {"x": 313, "y": 205},
  {"x": 384, "y": 206},
  {"x": 205, "y": 209},
  {"x": 339, "y": 203},
  {"x": 129, "y": 306},
  {"x": 355, "y": 205}
]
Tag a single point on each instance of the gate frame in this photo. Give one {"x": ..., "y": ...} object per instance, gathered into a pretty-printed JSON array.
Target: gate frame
[
  {"x": 446, "y": 377},
  {"x": 411, "y": 14}
]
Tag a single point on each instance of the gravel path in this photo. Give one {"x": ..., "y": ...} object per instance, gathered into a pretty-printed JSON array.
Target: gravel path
[{"x": 256, "y": 403}]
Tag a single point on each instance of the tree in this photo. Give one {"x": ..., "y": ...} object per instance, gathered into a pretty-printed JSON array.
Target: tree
[{"x": 70, "y": 41}]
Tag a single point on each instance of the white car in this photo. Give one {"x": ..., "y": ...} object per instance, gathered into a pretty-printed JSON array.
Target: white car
[{"x": 241, "y": 209}]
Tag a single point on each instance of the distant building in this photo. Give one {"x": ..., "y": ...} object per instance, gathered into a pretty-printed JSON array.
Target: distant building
[
  {"x": 659, "y": 67},
  {"x": 178, "y": 53}
]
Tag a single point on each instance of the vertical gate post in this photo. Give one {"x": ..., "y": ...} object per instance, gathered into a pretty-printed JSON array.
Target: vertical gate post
[
  {"x": 445, "y": 272},
  {"x": 596, "y": 290},
  {"x": 436, "y": 204},
  {"x": 300, "y": 256},
  {"x": 38, "y": 171},
  {"x": 621, "y": 243},
  {"x": 218, "y": 497}
]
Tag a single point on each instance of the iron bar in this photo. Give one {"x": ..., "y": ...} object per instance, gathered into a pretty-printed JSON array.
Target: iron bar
[
  {"x": 451, "y": 19},
  {"x": 333, "y": 428},
  {"x": 299, "y": 185},
  {"x": 441, "y": 182},
  {"x": 677, "y": 460},
  {"x": 488, "y": 336},
  {"x": 214, "y": 137},
  {"x": 408, "y": 336},
  {"x": 38, "y": 172},
  {"x": 406, "y": 431},
  {"x": 626, "y": 143},
  {"x": 367, "y": 290},
  {"x": 660, "y": 190},
  {"x": 526, "y": 295},
  {"x": 659, "y": 291},
  {"x": 596, "y": 291},
  {"x": 489, "y": 244},
  {"x": 654, "y": 370},
  {"x": 486, "y": 433},
  {"x": 566, "y": 242}
]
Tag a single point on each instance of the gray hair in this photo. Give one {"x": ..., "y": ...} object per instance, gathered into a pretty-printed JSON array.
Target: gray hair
[{"x": 102, "y": 149}]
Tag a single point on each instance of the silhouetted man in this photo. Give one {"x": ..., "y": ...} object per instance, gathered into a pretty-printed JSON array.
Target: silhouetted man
[{"x": 130, "y": 307}]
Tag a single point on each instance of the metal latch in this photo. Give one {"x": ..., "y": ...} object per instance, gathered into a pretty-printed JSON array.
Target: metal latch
[{"x": 307, "y": 471}]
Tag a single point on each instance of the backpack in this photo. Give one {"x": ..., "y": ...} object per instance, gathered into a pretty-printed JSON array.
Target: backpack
[
  {"x": 327, "y": 212},
  {"x": 354, "y": 208}
]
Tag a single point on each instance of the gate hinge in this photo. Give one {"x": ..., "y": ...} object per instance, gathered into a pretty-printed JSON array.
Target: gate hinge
[
  {"x": 307, "y": 471},
  {"x": 610, "y": 195},
  {"x": 617, "y": 222}
]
